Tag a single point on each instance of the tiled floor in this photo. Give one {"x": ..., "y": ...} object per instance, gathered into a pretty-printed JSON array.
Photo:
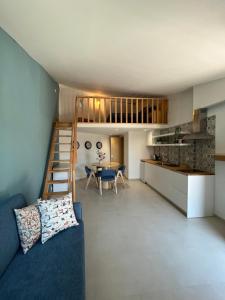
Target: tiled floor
[{"x": 138, "y": 246}]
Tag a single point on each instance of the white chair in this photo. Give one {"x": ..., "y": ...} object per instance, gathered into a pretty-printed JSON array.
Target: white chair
[
  {"x": 120, "y": 173},
  {"x": 107, "y": 175},
  {"x": 90, "y": 174}
]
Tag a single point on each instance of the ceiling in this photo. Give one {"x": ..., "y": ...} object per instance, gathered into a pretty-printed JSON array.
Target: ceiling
[{"x": 122, "y": 46}]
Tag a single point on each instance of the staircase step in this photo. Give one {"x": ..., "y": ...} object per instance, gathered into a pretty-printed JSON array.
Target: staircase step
[
  {"x": 62, "y": 124},
  {"x": 62, "y": 143},
  {"x": 66, "y": 161},
  {"x": 56, "y": 143},
  {"x": 60, "y": 136},
  {"x": 58, "y": 181},
  {"x": 66, "y": 140},
  {"x": 63, "y": 128},
  {"x": 58, "y": 193},
  {"x": 59, "y": 170},
  {"x": 63, "y": 151}
]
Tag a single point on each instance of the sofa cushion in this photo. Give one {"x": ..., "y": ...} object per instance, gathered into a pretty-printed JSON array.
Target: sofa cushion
[
  {"x": 29, "y": 226},
  {"x": 9, "y": 238},
  {"x": 56, "y": 215},
  {"x": 54, "y": 270}
]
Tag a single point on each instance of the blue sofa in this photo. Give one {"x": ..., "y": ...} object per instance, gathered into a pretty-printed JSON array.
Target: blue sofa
[{"x": 54, "y": 270}]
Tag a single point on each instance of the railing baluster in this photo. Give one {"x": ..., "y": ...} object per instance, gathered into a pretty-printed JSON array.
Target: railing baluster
[
  {"x": 77, "y": 108},
  {"x": 132, "y": 110},
  {"x": 142, "y": 111},
  {"x": 105, "y": 110},
  {"x": 99, "y": 110},
  {"x": 153, "y": 116},
  {"x": 158, "y": 111},
  {"x": 82, "y": 109},
  {"x": 166, "y": 111},
  {"x": 94, "y": 109},
  {"x": 91, "y": 109},
  {"x": 137, "y": 110},
  {"x": 155, "y": 110},
  {"x": 121, "y": 110},
  {"x": 115, "y": 110},
  {"x": 126, "y": 110},
  {"x": 88, "y": 109},
  {"x": 110, "y": 110},
  {"x": 147, "y": 116}
]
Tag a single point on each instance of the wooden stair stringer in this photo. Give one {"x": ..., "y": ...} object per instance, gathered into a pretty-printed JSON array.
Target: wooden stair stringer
[{"x": 47, "y": 193}]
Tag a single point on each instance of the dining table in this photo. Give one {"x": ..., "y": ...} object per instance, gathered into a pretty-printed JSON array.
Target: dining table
[{"x": 105, "y": 165}]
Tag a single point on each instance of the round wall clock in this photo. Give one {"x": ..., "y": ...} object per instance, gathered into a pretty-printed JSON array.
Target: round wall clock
[
  {"x": 99, "y": 145},
  {"x": 88, "y": 145},
  {"x": 78, "y": 145}
]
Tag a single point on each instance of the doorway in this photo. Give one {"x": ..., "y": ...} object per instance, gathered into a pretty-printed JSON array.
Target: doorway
[{"x": 116, "y": 149}]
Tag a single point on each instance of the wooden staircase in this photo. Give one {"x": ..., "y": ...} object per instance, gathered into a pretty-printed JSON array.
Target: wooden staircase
[{"x": 60, "y": 173}]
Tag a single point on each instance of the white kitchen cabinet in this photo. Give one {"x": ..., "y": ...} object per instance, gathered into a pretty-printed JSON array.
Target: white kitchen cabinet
[
  {"x": 142, "y": 171},
  {"x": 148, "y": 173},
  {"x": 200, "y": 191},
  {"x": 149, "y": 141},
  {"x": 193, "y": 194}
]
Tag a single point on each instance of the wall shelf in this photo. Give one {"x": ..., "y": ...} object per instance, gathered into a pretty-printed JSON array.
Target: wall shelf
[
  {"x": 170, "y": 134},
  {"x": 170, "y": 145}
]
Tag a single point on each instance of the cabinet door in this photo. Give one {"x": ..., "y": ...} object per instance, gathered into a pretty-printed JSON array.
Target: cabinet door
[
  {"x": 178, "y": 190},
  {"x": 170, "y": 184},
  {"x": 161, "y": 180},
  {"x": 142, "y": 171},
  {"x": 149, "y": 139},
  {"x": 148, "y": 173}
]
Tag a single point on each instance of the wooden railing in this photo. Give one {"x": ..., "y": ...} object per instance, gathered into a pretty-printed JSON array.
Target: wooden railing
[
  {"x": 74, "y": 157},
  {"x": 121, "y": 110}
]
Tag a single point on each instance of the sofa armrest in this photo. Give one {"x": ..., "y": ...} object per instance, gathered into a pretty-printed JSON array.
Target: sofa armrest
[{"x": 78, "y": 210}]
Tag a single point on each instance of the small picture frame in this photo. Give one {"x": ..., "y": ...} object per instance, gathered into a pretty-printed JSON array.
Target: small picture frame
[
  {"x": 88, "y": 145},
  {"x": 99, "y": 145}
]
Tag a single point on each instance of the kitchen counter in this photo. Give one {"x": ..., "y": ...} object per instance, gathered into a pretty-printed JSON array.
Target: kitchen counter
[
  {"x": 194, "y": 195},
  {"x": 184, "y": 170}
]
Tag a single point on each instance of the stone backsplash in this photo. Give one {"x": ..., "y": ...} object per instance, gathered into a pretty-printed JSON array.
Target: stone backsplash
[{"x": 198, "y": 155}]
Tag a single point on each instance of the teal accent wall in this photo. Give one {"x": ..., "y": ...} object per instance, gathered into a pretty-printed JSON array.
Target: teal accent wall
[{"x": 28, "y": 106}]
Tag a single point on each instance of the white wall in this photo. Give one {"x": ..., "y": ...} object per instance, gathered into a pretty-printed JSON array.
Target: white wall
[
  {"x": 137, "y": 150},
  {"x": 84, "y": 156},
  {"x": 219, "y": 207},
  {"x": 126, "y": 153},
  {"x": 208, "y": 94},
  {"x": 67, "y": 96},
  {"x": 219, "y": 111},
  {"x": 212, "y": 95},
  {"x": 180, "y": 107}
]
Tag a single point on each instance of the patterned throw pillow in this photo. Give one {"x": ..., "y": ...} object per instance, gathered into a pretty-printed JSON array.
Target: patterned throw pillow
[
  {"x": 29, "y": 226},
  {"x": 56, "y": 215}
]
